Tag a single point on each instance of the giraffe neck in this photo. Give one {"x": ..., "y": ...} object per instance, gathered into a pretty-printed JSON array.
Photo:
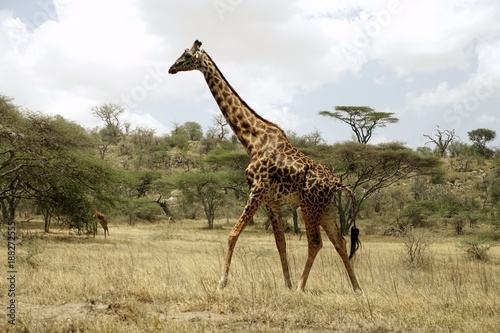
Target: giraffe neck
[{"x": 251, "y": 129}]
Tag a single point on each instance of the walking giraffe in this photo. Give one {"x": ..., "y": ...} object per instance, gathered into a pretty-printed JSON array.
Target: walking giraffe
[
  {"x": 278, "y": 173},
  {"x": 103, "y": 220}
]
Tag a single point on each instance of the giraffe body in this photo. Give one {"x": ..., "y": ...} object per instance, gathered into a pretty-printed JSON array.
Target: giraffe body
[
  {"x": 102, "y": 220},
  {"x": 278, "y": 173}
]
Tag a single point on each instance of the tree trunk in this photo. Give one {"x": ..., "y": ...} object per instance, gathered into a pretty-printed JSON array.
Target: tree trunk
[
  {"x": 345, "y": 213},
  {"x": 3, "y": 207},
  {"x": 9, "y": 205},
  {"x": 209, "y": 208},
  {"x": 295, "y": 217},
  {"x": 163, "y": 204},
  {"x": 47, "y": 220}
]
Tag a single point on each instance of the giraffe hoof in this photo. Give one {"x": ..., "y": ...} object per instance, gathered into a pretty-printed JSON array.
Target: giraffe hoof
[{"x": 222, "y": 283}]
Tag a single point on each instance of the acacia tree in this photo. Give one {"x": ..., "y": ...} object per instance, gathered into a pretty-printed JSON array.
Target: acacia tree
[
  {"x": 215, "y": 134},
  {"x": 68, "y": 186},
  {"x": 110, "y": 114},
  {"x": 220, "y": 127},
  {"x": 231, "y": 165},
  {"x": 369, "y": 168},
  {"x": 48, "y": 161},
  {"x": 363, "y": 120},
  {"x": 442, "y": 139},
  {"x": 15, "y": 156},
  {"x": 204, "y": 187},
  {"x": 111, "y": 133},
  {"x": 222, "y": 174},
  {"x": 480, "y": 137},
  {"x": 193, "y": 130},
  {"x": 307, "y": 140}
]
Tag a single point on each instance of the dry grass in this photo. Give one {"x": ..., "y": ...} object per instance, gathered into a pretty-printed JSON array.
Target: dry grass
[{"x": 164, "y": 278}]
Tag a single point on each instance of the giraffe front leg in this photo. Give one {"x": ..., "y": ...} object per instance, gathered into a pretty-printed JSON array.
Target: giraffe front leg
[
  {"x": 279, "y": 235},
  {"x": 250, "y": 209}
]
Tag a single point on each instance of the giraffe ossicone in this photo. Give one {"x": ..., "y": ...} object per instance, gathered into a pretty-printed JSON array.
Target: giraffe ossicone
[{"x": 278, "y": 173}]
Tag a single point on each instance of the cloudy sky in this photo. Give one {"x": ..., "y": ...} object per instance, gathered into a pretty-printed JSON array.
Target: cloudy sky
[{"x": 432, "y": 62}]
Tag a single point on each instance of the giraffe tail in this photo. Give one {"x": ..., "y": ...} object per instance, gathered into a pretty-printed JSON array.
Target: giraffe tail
[{"x": 355, "y": 242}]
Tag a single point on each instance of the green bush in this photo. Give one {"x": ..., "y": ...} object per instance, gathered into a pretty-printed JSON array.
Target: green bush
[
  {"x": 144, "y": 209},
  {"x": 495, "y": 191},
  {"x": 417, "y": 213},
  {"x": 450, "y": 209},
  {"x": 438, "y": 177},
  {"x": 489, "y": 236}
]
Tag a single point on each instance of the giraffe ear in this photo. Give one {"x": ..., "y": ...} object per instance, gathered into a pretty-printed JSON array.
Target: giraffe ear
[{"x": 196, "y": 45}]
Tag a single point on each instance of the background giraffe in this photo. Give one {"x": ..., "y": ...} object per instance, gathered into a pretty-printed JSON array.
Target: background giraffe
[
  {"x": 103, "y": 220},
  {"x": 278, "y": 173}
]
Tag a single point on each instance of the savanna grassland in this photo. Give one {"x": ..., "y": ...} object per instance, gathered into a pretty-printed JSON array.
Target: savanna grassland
[{"x": 163, "y": 278}]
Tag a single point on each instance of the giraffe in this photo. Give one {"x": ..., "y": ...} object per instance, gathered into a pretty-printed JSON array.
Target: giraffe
[
  {"x": 103, "y": 220},
  {"x": 278, "y": 173}
]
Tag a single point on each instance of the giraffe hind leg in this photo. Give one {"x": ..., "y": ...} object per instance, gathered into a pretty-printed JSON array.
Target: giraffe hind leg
[
  {"x": 105, "y": 227},
  {"x": 332, "y": 229},
  {"x": 314, "y": 243}
]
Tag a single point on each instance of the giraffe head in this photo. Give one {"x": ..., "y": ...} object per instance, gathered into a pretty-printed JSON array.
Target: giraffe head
[{"x": 190, "y": 60}]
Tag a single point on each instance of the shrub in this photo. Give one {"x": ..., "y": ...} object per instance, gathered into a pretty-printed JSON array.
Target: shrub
[
  {"x": 417, "y": 213},
  {"x": 489, "y": 236},
  {"x": 495, "y": 191},
  {"x": 416, "y": 246},
  {"x": 450, "y": 207},
  {"x": 459, "y": 223},
  {"x": 476, "y": 249},
  {"x": 439, "y": 177},
  {"x": 32, "y": 247},
  {"x": 143, "y": 209}
]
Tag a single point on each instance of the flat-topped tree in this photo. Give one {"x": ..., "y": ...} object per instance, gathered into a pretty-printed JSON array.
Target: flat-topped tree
[
  {"x": 363, "y": 120},
  {"x": 278, "y": 173},
  {"x": 480, "y": 137}
]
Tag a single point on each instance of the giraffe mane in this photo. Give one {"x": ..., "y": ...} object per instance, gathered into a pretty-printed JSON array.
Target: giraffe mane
[{"x": 241, "y": 99}]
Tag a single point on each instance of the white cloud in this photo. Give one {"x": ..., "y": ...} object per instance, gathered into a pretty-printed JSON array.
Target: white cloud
[
  {"x": 488, "y": 119},
  {"x": 429, "y": 35},
  {"x": 283, "y": 116},
  {"x": 380, "y": 80},
  {"x": 273, "y": 52},
  {"x": 96, "y": 52},
  {"x": 483, "y": 83},
  {"x": 144, "y": 121}
]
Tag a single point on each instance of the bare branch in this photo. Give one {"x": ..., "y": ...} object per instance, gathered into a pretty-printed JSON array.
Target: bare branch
[{"x": 441, "y": 139}]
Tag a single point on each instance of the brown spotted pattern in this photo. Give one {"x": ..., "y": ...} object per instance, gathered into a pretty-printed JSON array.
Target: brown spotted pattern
[
  {"x": 103, "y": 220},
  {"x": 278, "y": 173}
]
